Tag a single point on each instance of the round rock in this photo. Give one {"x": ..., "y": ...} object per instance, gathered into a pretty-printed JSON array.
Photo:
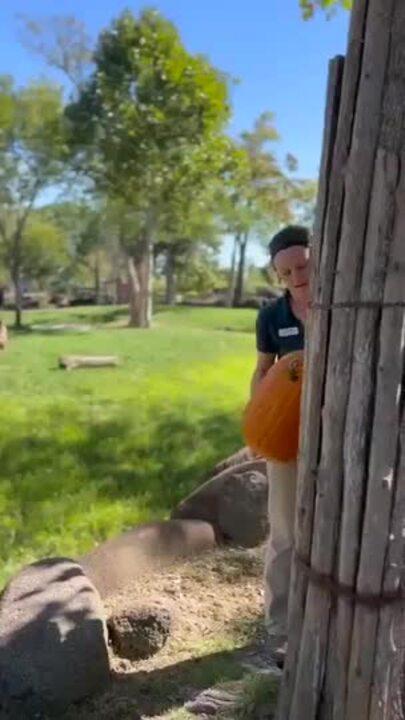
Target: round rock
[
  {"x": 241, "y": 456},
  {"x": 53, "y": 640},
  {"x": 234, "y": 502},
  {"x": 242, "y": 509},
  {"x": 139, "y": 633}
]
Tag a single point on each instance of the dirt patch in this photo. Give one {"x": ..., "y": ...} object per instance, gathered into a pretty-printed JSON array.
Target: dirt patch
[{"x": 216, "y": 604}]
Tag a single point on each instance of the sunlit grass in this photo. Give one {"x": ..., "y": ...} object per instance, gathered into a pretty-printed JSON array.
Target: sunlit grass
[{"x": 87, "y": 453}]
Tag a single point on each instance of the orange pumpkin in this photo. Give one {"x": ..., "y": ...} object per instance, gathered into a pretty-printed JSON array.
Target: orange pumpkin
[{"x": 272, "y": 417}]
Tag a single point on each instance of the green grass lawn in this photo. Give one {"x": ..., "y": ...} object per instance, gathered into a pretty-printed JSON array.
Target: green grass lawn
[{"x": 85, "y": 454}]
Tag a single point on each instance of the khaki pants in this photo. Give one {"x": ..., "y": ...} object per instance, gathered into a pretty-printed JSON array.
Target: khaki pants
[{"x": 282, "y": 495}]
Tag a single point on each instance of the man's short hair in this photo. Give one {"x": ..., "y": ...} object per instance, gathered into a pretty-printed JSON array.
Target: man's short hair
[{"x": 288, "y": 237}]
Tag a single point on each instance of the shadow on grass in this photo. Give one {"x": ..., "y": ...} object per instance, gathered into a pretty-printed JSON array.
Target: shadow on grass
[
  {"x": 74, "y": 482},
  {"x": 107, "y": 316},
  {"x": 89, "y": 315},
  {"x": 24, "y": 329},
  {"x": 158, "y": 691},
  {"x": 165, "y": 461}
]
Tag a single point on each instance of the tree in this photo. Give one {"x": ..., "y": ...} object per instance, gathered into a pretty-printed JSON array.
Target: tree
[
  {"x": 91, "y": 248},
  {"x": 143, "y": 115},
  {"x": 258, "y": 197},
  {"x": 187, "y": 243},
  {"x": 304, "y": 202},
  {"x": 32, "y": 156},
  {"x": 198, "y": 271},
  {"x": 190, "y": 226},
  {"x": 89, "y": 237},
  {"x": 309, "y": 7},
  {"x": 63, "y": 42},
  {"x": 44, "y": 249}
]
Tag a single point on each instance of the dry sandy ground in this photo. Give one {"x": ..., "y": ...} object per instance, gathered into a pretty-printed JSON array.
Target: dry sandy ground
[{"x": 216, "y": 604}]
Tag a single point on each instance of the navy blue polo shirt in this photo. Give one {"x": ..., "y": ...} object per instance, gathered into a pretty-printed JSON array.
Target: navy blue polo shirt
[{"x": 278, "y": 331}]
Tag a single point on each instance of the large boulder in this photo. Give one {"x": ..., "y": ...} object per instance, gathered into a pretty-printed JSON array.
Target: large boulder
[
  {"x": 234, "y": 502},
  {"x": 53, "y": 640},
  {"x": 118, "y": 562}
]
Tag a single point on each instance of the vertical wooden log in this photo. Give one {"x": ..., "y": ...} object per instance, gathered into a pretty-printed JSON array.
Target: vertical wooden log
[
  {"x": 328, "y": 226},
  {"x": 387, "y": 691},
  {"x": 381, "y": 480},
  {"x": 359, "y": 419},
  {"x": 347, "y": 491},
  {"x": 315, "y": 359},
  {"x": 333, "y": 99}
]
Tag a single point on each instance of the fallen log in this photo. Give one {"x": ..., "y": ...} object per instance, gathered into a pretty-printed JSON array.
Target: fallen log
[{"x": 73, "y": 362}]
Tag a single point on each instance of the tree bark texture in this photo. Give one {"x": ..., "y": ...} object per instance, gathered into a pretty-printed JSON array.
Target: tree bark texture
[
  {"x": 170, "y": 274},
  {"x": 345, "y": 660},
  {"x": 140, "y": 276},
  {"x": 241, "y": 270}
]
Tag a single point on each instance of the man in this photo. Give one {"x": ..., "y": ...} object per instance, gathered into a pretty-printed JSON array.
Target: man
[{"x": 280, "y": 330}]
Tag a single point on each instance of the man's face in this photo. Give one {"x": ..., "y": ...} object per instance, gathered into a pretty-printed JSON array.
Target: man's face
[{"x": 293, "y": 269}]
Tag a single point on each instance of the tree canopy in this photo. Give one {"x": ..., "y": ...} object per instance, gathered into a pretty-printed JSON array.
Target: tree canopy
[
  {"x": 33, "y": 154},
  {"x": 309, "y": 7},
  {"x": 141, "y": 127}
]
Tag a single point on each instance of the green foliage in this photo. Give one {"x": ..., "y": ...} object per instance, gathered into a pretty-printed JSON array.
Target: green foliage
[
  {"x": 198, "y": 272},
  {"x": 62, "y": 41},
  {"x": 147, "y": 127},
  {"x": 269, "y": 190},
  {"x": 32, "y": 139},
  {"x": 146, "y": 104},
  {"x": 309, "y": 7},
  {"x": 91, "y": 242},
  {"x": 33, "y": 153},
  {"x": 304, "y": 202},
  {"x": 44, "y": 249},
  {"x": 259, "y": 698},
  {"x": 257, "y": 194},
  {"x": 88, "y": 454}
]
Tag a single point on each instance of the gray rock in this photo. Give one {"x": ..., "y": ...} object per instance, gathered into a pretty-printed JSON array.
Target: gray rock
[
  {"x": 53, "y": 641},
  {"x": 241, "y": 456},
  {"x": 234, "y": 502},
  {"x": 122, "y": 560},
  {"x": 139, "y": 633},
  {"x": 216, "y": 701},
  {"x": 242, "y": 510}
]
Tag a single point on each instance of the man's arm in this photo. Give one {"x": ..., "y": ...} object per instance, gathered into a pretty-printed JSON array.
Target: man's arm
[{"x": 264, "y": 363}]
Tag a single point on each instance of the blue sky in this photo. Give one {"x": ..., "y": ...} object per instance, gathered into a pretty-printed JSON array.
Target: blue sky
[{"x": 279, "y": 60}]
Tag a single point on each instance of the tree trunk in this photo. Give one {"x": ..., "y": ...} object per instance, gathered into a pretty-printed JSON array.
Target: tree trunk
[
  {"x": 345, "y": 650},
  {"x": 148, "y": 282},
  {"x": 240, "y": 278},
  {"x": 16, "y": 277},
  {"x": 170, "y": 273},
  {"x": 140, "y": 276},
  {"x": 97, "y": 278},
  {"x": 135, "y": 311},
  {"x": 18, "y": 297},
  {"x": 230, "y": 299}
]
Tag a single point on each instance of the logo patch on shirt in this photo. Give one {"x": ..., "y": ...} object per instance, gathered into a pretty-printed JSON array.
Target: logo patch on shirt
[{"x": 288, "y": 332}]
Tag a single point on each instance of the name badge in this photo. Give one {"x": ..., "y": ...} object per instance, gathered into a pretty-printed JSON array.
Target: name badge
[{"x": 288, "y": 332}]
